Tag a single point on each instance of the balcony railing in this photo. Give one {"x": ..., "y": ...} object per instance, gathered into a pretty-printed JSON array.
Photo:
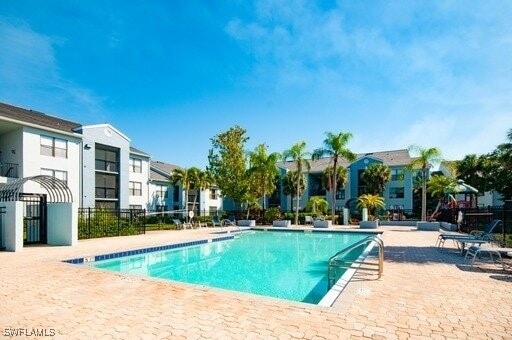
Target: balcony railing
[{"x": 9, "y": 170}]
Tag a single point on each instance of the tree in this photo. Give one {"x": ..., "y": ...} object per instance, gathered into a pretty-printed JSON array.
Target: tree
[
  {"x": 227, "y": 163},
  {"x": 499, "y": 168},
  {"x": 341, "y": 178},
  {"x": 263, "y": 171},
  {"x": 298, "y": 155},
  {"x": 438, "y": 186},
  {"x": 370, "y": 202},
  {"x": 472, "y": 169},
  {"x": 335, "y": 147},
  {"x": 376, "y": 176},
  {"x": 317, "y": 205},
  {"x": 290, "y": 185},
  {"x": 424, "y": 162},
  {"x": 203, "y": 180},
  {"x": 188, "y": 179}
]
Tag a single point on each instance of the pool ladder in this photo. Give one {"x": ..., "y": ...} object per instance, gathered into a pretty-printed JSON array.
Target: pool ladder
[
  {"x": 340, "y": 260},
  {"x": 228, "y": 223}
]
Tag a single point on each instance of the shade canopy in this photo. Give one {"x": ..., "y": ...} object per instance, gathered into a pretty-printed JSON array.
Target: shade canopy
[{"x": 462, "y": 188}]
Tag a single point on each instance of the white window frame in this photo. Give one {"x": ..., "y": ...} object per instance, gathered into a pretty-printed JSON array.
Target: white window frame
[
  {"x": 134, "y": 167},
  {"x": 53, "y": 146},
  {"x": 135, "y": 188}
]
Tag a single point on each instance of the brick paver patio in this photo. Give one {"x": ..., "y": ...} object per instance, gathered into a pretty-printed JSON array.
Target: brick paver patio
[{"x": 423, "y": 294}]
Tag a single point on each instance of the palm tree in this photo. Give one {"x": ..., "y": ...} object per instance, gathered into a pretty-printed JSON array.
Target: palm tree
[
  {"x": 263, "y": 171},
  {"x": 341, "y": 178},
  {"x": 290, "y": 182},
  {"x": 335, "y": 147},
  {"x": 203, "y": 180},
  {"x": 298, "y": 155},
  {"x": 424, "y": 161},
  {"x": 187, "y": 178},
  {"x": 376, "y": 176},
  {"x": 317, "y": 205},
  {"x": 370, "y": 202},
  {"x": 438, "y": 186}
]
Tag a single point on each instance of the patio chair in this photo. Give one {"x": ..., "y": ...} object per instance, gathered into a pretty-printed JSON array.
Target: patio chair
[
  {"x": 182, "y": 225},
  {"x": 216, "y": 221},
  {"x": 475, "y": 237},
  {"x": 308, "y": 220},
  {"x": 474, "y": 251}
]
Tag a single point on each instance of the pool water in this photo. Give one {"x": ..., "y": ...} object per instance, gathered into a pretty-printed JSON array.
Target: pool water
[{"x": 288, "y": 265}]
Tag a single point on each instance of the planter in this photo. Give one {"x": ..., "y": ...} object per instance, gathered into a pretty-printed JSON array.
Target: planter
[
  {"x": 368, "y": 224},
  {"x": 322, "y": 224},
  {"x": 282, "y": 223},
  {"x": 429, "y": 226},
  {"x": 246, "y": 223}
]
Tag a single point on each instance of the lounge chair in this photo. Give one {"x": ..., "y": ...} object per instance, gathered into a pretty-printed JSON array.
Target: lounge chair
[
  {"x": 216, "y": 221},
  {"x": 182, "y": 225},
  {"x": 308, "y": 220},
  {"x": 475, "y": 237},
  {"x": 474, "y": 251}
]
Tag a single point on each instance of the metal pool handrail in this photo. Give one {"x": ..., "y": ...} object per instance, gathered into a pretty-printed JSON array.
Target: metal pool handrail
[{"x": 334, "y": 262}]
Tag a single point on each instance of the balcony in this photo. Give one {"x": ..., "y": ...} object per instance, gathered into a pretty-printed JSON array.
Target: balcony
[{"x": 9, "y": 170}]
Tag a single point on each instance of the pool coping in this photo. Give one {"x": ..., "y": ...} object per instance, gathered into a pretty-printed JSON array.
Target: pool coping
[
  {"x": 337, "y": 289},
  {"x": 101, "y": 257}
]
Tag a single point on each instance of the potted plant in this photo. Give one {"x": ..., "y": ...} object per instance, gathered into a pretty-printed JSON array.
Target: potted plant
[{"x": 372, "y": 203}]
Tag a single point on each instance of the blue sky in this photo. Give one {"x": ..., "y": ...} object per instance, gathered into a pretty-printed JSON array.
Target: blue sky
[{"x": 172, "y": 74}]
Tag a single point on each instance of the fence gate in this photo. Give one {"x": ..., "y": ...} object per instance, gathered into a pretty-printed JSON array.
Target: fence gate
[{"x": 34, "y": 218}]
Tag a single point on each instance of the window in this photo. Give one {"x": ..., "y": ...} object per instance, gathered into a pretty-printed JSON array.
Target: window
[
  {"x": 136, "y": 165},
  {"x": 135, "y": 206},
  {"x": 396, "y": 192},
  {"x": 161, "y": 191},
  {"x": 135, "y": 188},
  {"x": 54, "y": 147},
  {"x": 213, "y": 211},
  {"x": 213, "y": 194},
  {"x": 340, "y": 194},
  {"x": 397, "y": 174},
  {"x": 106, "y": 186},
  {"x": 176, "y": 194},
  {"x": 106, "y": 159},
  {"x": 361, "y": 188},
  {"x": 59, "y": 174}
]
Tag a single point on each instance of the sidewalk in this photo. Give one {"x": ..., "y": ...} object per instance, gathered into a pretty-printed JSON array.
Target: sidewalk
[{"x": 424, "y": 293}]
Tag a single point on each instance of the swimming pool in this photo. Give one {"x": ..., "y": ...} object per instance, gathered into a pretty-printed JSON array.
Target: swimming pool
[{"x": 288, "y": 265}]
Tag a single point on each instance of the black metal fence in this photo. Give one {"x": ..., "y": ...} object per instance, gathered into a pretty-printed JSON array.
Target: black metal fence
[
  {"x": 95, "y": 223},
  {"x": 477, "y": 218}
]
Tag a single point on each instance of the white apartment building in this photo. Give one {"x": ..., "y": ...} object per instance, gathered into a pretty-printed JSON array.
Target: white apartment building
[
  {"x": 95, "y": 167},
  {"x": 32, "y": 145}
]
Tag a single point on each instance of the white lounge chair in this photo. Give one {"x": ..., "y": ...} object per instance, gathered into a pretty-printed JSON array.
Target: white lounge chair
[
  {"x": 474, "y": 251},
  {"x": 475, "y": 237},
  {"x": 308, "y": 220},
  {"x": 182, "y": 225}
]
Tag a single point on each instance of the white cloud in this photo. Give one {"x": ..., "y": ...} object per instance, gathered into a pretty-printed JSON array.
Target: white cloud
[{"x": 30, "y": 76}]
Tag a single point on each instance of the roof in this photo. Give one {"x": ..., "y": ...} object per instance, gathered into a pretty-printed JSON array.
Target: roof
[
  {"x": 138, "y": 152},
  {"x": 105, "y": 126},
  {"x": 389, "y": 158},
  {"x": 37, "y": 118},
  {"x": 160, "y": 171}
]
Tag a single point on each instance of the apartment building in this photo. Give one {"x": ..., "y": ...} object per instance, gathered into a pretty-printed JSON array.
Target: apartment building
[
  {"x": 398, "y": 191},
  {"x": 34, "y": 148},
  {"x": 93, "y": 166}
]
